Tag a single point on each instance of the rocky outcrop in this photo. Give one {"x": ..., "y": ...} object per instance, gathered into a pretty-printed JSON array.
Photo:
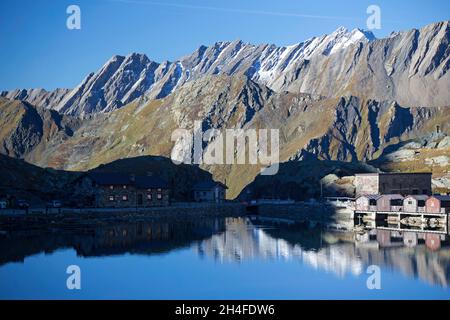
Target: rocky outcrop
[
  {"x": 362, "y": 129},
  {"x": 27, "y": 131},
  {"x": 118, "y": 82}
]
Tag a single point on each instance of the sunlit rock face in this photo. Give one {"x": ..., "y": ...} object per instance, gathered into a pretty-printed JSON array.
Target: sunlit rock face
[{"x": 409, "y": 67}]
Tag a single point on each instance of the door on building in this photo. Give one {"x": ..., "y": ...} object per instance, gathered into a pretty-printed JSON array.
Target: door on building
[{"x": 140, "y": 200}]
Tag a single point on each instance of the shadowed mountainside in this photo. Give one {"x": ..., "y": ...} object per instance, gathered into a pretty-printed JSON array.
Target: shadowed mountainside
[{"x": 26, "y": 181}]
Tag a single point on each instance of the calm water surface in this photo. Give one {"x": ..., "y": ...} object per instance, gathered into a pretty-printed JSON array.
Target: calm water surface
[{"x": 224, "y": 258}]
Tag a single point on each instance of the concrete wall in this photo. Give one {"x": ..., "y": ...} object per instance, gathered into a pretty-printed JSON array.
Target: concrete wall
[
  {"x": 366, "y": 184},
  {"x": 362, "y": 204},
  {"x": 174, "y": 210},
  {"x": 304, "y": 211}
]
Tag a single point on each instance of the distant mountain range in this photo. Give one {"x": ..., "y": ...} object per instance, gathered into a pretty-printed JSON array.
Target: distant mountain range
[
  {"x": 346, "y": 96},
  {"x": 408, "y": 67}
]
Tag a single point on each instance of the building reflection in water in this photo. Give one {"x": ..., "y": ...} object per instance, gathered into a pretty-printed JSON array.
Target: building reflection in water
[
  {"x": 334, "y": 248},
  {"x": 420, "y": 255}
]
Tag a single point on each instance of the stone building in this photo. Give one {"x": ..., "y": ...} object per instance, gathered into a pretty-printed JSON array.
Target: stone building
[
  {"x": 393, "y": 183},
  {"x": 120, "y": 190},
  {"x": 209, "y": 191}
]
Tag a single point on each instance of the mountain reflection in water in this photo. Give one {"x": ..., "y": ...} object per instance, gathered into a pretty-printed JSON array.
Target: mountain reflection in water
[
  {"x": 339, "y": 251},
  {"x": 420, "y": 255}
]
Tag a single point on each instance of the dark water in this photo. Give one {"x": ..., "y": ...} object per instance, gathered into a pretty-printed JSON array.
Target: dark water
[{"x": 224, "y": 258}]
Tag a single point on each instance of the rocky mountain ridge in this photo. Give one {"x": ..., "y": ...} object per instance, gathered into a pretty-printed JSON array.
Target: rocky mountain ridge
[
  {"x": 346, "y": 129},
  {"x": 408, "y": 67},
  {"x": 345, "y": 97}
]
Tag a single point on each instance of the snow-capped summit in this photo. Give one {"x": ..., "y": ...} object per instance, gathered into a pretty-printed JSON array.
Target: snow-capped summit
[
  {"x": 124, "y": 78},
  {"x": 311, "y": 66},
  {"x": 342, "y": 38}
]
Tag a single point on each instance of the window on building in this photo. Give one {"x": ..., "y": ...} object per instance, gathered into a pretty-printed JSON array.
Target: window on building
[
  {"x": 159, "y": 196},
  {"x": 159, "y": 189},
  {"x": 424, "y": 191},
  {"x": 415, "y": 191},
  {"x": 410, "y": 202},
  {"x": 124, "y": 186},
  {"x": 149, "y": 190},
  {"x": 149, "y": 196},
  {"x": 111, "y": 198},
  {"x": 111, "y": 187},
  {"x": 124, "y": 197}
]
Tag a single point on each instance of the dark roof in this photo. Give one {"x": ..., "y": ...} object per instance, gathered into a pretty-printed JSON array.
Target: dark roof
[
  {"x": 442, "y": 198},
  {"x": 208, "y": 185},
  {"x": 146, "y": 182},
  {"x": 391, "y": 173},
  {"x": 370, "y": 196},
  {"x": 392, "y": 196},
  {"x": 143, "y": 182},
  {"x": 418, "y": 196},
  {"x": 110, "y": 178}
]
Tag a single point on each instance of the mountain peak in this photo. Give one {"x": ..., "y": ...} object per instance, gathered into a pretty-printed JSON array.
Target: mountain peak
[
  {"x": 355, "y": 35},
  {"x": 124, "y": 78},
  {"x": 115, "y": 58},
  {"x": 340, "y": 30},
  {"x": 361, "y": 33}
]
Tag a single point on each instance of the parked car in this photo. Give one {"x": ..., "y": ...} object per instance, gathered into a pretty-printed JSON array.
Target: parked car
[
  {"x": 54, "y": 204},
  {"x": 23, "y": 204}
]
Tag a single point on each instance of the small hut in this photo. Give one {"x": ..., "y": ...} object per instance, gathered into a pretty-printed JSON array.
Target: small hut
[
  {"x": 438, "y": 204},
  {"x": 390, "y": 202},
  {"x": 415, "y": 203},
  {"x": 367, "y": 202}
]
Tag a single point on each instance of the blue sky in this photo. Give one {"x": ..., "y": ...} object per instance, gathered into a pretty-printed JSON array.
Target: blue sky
[{"x": 37, "y": 50}]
